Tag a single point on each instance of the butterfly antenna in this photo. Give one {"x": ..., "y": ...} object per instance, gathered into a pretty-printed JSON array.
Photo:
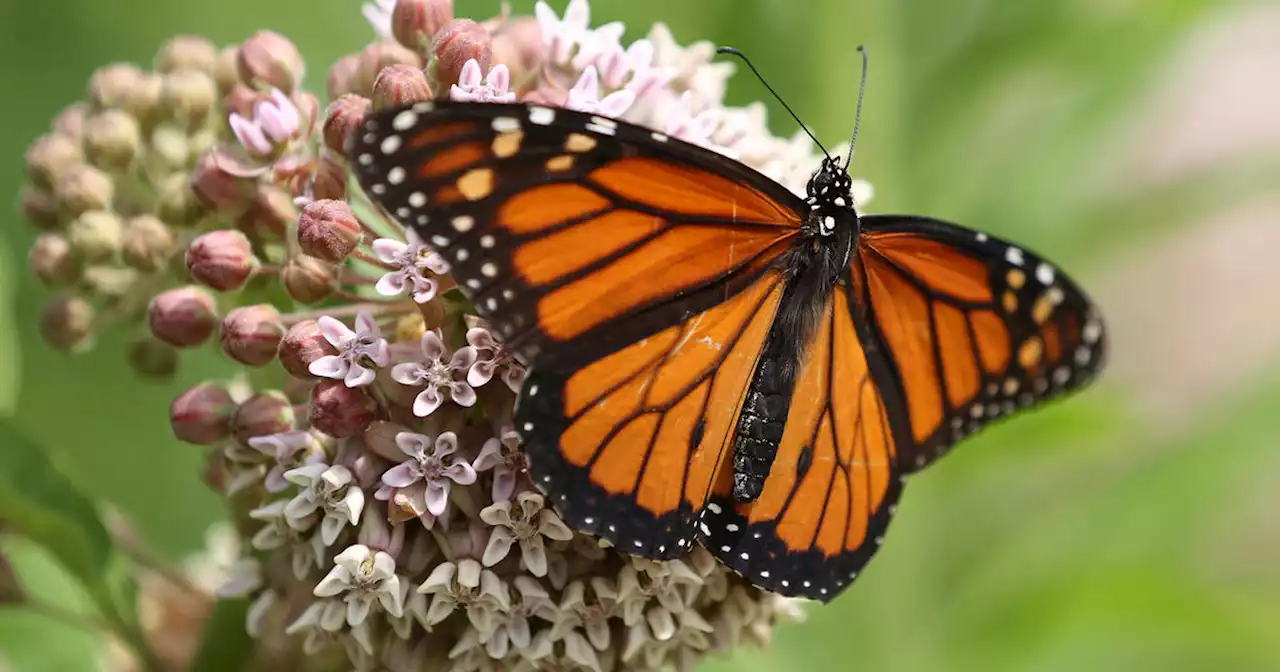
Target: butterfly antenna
[
  {"x": 734, "y": 52},
  {"x": 857, "y": 116}
]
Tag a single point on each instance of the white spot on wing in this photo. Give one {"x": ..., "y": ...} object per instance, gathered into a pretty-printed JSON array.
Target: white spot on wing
[{"x": 541, "y": 116}]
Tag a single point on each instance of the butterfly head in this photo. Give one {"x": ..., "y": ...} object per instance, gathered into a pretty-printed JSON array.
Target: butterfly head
[{"x": 830, "y": 189}]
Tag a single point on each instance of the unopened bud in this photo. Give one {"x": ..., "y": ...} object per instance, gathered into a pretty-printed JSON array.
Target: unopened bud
[
  {"x": 414, "y": 22},
  {"x": 40, "y": 207},
  {"x": 187, "y": 52},
  {"x": 109, "y": 86},
  {"x": 264, "y": 413},
  {"x": 66, "y": 323},
  {"x": 221, "y": 259},
  {"x": 302, "y": 344},
  {"x": 112, "y": 139},
  {"x": 342, "y": 76},
  {"x": 519, "y": 45},
  {"x": 329, "y": 230},
  {"x": 400, "y": 85},
  {"x": 53, "y": 261},
  {"x": 96, "y": 235},
  {"x": 70, "y": 121},
  {"x": 269, "y": 215},
  {"x": 377, "y": 56},
  {"x": 330, "y": 179},
  {"x": 252, "y": 334},
  {"x": 189, "y": 97},
  {"x": 147, "y": 243},
  {"x": 202, "y": 415},
  {"x": 84, "y": 188},
  {"x": 176, "y": 201},
  {"x": 344, "y": 115},
  {"x": 341, "y": 411},
  {"x": 184, "y": 317},
  {"x": 152, "y": 359},
  {"x": 143, "y": 100},
  {"x": 226, "y": 72},
  {"x": 308, "y": 279},
  {"x": 458, "y": 42},
  {"x": 170, "y": 149},
  {"x": 51, "y": 157},
  {"x": 218, "y": 189},
  {"x": 269, "y": 60}
]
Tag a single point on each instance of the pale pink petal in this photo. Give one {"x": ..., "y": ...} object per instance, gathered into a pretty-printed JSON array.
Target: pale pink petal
[
  {"x": 358, "y": 376},
  {"x": 471, "y": 75},
  {"x": 490, "y": 455},
  {"x": 499, "y": 546},
  {"x": 432, "y": 346},
  {"x": 329, "y": 366},
  {"x": 460, "y": 473},
  {"x": 334, "y": 331},
  {"x": 437, "y": 496},
  {"x": 388, "y": 250},
  {"x": 462, "y": 394},
  {"x": 504, "y": 483},
  {"x": 391, "y": 284},
  {"x": 427, "y": 402},
  {"x": 481, "y": 372},
  {"x": 249, "y": 134},
  {"x": 402, "y": 475}
]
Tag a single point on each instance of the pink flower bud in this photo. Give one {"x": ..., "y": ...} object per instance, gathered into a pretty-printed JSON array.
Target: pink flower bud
[
  {"x": 219, "y": 190},
  {"x": 344, "y": 115},
  {"x": 414, "y": 22},
  {"x": 377, "y": 56},
  {"x": 147, "y": 243},
  {"x": 112, "y": 139},
  {"x": 342, "y": 76},
  {"x": 152, "y": 359},
  {"x": 84, "y": 188},
  {"x": 269, "y": 215},
  {"x": 251, "y": 334},
  {"x": 302, "y": 344},
  {"x": 53, "y": 262},
  {"x": 400, "y": 85},
  {"x": 221, "y": 259},
  {"x": 110, "y": 85},
  {"x": 269, "y": 59},
  {"x": 521, "y": 45},
  {"x": 184, "y": 317},
  {"x": 39, "y": 207},
  {"x": 187, "y": 52},
  {"x": 459, "y": 41},
  {"x": 341, "y": 411},
  {"x": 330, "y": 179},
  {"x": 329, "y": 230},
  {"x": 51, "y": 157},
  {"x": 202, "y": 414},
  {"x": 264, "y": 413},
  {"x": 308, "y": 279},
  {"x": 66, "y": 323}
]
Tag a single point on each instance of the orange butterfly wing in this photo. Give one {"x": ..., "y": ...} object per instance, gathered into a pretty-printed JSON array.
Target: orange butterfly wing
[
  {"x": 976, "y": 328},
  {"x": 575, "y": 234},
  {"x": 633, "y": 271},
  {"x": 835, "y": 480}
]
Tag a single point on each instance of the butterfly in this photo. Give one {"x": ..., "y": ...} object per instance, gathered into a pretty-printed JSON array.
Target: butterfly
[{"x": 714, "y": 359}]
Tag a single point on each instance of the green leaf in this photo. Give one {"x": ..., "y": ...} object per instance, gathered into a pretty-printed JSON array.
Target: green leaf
[
  {"x": 10, "y": 371},
  {"x": 225, "y": 644},
  {"x": 41, "y": 503}
]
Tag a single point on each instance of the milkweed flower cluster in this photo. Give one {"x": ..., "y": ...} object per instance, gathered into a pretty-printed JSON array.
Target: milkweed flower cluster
[{"x": 379, "y": 495}]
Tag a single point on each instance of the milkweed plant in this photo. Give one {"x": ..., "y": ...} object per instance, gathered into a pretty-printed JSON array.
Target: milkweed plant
[{"x": 379, "y": 512}]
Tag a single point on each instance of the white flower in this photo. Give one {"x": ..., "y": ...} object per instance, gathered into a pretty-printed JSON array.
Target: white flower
[
  {"x": 560, "y": 36},
  {"x": 331, "y": 489},
  {"x": 410, "y": 260},
  {"x": 365, "y": 576},
  {"x": 378, "y": 14},
  {"x": 585, "y": 96},
  {"x": 433, "y": 463},
  {"x": 465, "y": 585},
  {"x": 435, "y": 372},
  {"x": 360, "y": 352},
  {"x": 525, "y": 522},
  {"x": 491, "y": 88}
]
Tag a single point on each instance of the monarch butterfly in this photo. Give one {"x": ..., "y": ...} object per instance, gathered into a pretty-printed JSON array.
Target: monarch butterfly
[{"x": 714, "y": 359}]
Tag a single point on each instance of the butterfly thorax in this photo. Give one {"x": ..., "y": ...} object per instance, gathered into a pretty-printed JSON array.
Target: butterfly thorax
[{"x": 811, "y": 268}]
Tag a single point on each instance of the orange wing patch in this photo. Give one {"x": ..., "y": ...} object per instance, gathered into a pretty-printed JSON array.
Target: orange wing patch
[
  {"x": 976, "y": 328},
  {"x": 690, "y": 192},
  {"x": 829, "y": 495},
  {"x": 639, "y": 437}
]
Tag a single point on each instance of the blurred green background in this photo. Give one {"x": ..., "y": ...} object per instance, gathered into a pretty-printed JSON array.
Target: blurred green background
[{"x": 1134, "y": 142}]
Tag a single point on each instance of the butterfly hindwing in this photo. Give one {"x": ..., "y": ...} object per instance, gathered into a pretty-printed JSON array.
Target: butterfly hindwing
[
  {"x": 835, "y": 480},
  {"x": 976, "y": 328},
  {"x": 633, "y": 444},
  {"x": 574, "y": 234}
]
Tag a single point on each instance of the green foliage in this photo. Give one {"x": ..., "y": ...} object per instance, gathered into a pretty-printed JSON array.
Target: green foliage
[{"x": 225, "y": 644}]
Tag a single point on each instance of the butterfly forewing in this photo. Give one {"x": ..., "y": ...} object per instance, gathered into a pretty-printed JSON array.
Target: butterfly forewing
[
  {"x": 574, "y": 234},
  {"x": 977, "y": 328}
]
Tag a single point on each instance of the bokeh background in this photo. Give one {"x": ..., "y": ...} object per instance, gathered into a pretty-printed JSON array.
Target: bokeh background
[{"x": 1135, "y": 142}]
